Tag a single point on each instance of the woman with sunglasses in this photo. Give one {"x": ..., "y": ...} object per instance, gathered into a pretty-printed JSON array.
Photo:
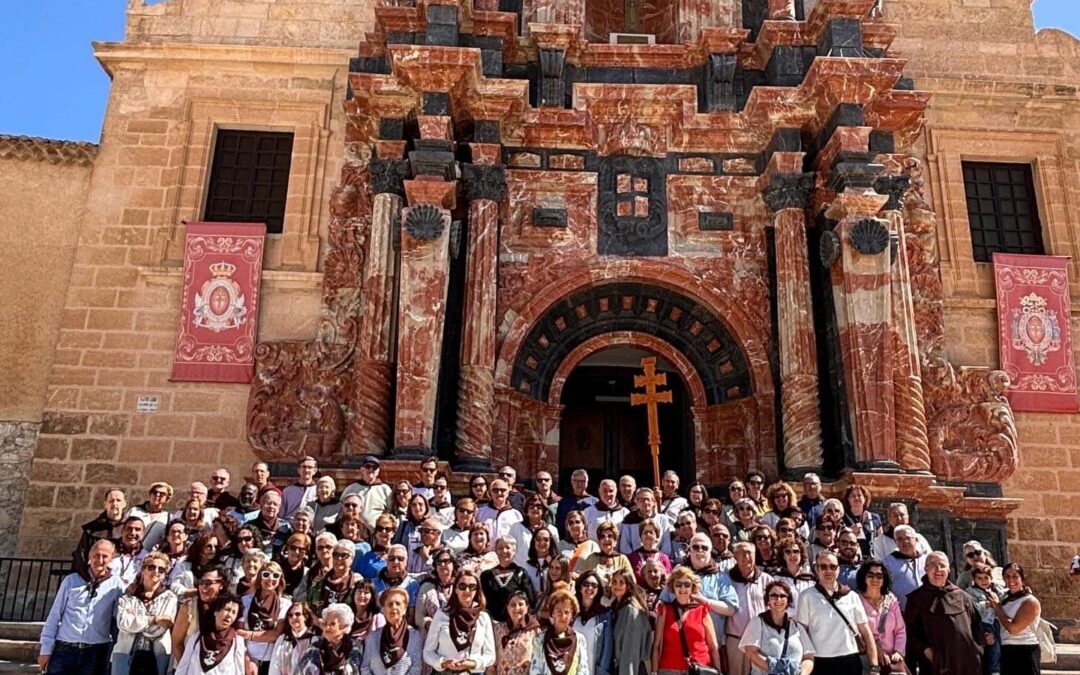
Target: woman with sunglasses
[
  {"x": 712, "y": 513},
  {"x": 514, "y": 637},
  {"x": 593, "y": 621},
  {"x": 696, "y": 497},
  {"x": 865, "y": 523},
  {"x": 399, "y": 503},
  {"x": 217, "y": 649},
  {"x": 794, "y": 568},
  {"x": 262, "y": 616},
  {"x": 746, "y": 520},
  {"x": 336, "y": 585},
  {"x": 560, "y": 650},
  {"x": 764, "y": 541},
  {"x": 294, "y": 561},
  {"x": 684, "y": 628},
  {"x": 883, "y": 614},
  {"x": 824, "y": 538},
  {"x": 440, "y": 504},
  {"x": 607, "y": 559},
  {"x": 577, "y": 546},
  {"x": 781, "y": 497},
  {"x": 773, "y": 641},
  {"x": 755, "y": 491},
  {"x": 478, "y": 490},
  {"x": 195, "y": 612},
  {"x": 631, "y": 631},
  {"x": 372, "y": 562},
  {"x": 456, "y": 537},
  {"x": 536, "y": 519},
  {"x": 175, "y": 543},
  {"x": 186, "y": 570},
  {"x": 460, "y": 638},
  {"x": 396, "y": 648},
  {"x": 293, "y": 641},
  {"x": 144, "y": 617},
  {"x": 736, "y": 491},
  {"x": 478, "y": 555},
  {"x": 246, "y": 539},
  {"x": 435, "y": 588}
]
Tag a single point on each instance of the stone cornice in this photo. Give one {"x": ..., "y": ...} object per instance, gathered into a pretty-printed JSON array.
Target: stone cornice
[{"x": 112, "y": 54}]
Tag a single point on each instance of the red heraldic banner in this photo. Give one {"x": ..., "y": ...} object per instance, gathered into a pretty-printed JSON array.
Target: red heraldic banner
[
  {"x": 1033, "y": 332},
  {"x": 219, "y": 308}
]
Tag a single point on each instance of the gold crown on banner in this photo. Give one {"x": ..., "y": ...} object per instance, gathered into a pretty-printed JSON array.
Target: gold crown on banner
[{"x": 222, "y": 269}]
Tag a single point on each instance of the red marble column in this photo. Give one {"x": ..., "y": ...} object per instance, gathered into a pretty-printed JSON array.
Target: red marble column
[
  {"x": 862, "y": 294},
  {"x": 799, "y": 398},
  {"x": 486, "y": 186},
  {"x": 425, "y": 262},
  {"x": 369, "y": 432}
]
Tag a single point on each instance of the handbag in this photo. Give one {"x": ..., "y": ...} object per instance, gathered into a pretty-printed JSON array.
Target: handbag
[
  {"x": 692, "y": 667},
  {"x": 1047, "y": 647}
]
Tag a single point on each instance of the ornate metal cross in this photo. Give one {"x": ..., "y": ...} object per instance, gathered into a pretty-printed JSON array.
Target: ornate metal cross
[{"x": 650, "y": 381}]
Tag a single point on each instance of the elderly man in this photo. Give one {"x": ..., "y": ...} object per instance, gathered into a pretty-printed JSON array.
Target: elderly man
[
  {"x": 544, "y": 489},
  {"x": 812, "y": 504},
  {"x": 303, "y": 490},
  {"x": 375, "y": 494},
  {"x": 720, "y": 536},
  {"x": 749, "y": 582},
  {"x": 420, "y": 555},
  {"x": 501, "y": 582},
  {"x": 884, "y": 543},
  {"x": 106, "y": 526},
  {"x": 199, "y": 492},
  {"x": 396, "y": 575},
  {"x": 579, "y": 499},
  {"x": 834, "y": 615},
  {"x": 629, "y": 535},
  {"x": 944, "y": 632},
  {"x": 607, "y": 508},
  {"x": 352, "y": 506},
  {"x": 679, "y": 545},
  {"x": 218, "y": 495},
  {"x": 627, "y": 490},
  {"x": 906, "y": 564},
  {"x": 671, "y": 503},
  {"x": 717, "y": 591},
  {"x": 154, "y": 514},
  {"x": 129, "y": 554},
  {"x": 499, "y": 515},
  {"x": 273, "y": 530},
  {"x": 516, "y": 497},
  {"x": 76, "y": 639}
]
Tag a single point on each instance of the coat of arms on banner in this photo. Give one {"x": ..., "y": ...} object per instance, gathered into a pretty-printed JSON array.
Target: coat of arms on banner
[
  {"x": 1034, "y": 342},
  {"x": 219, "y": 302}
]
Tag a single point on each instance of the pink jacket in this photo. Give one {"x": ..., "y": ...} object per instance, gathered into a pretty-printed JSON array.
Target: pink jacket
[{"x": 894, "y": 637}]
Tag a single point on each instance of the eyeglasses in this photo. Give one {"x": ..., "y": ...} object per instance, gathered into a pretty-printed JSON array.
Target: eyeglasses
[
  {"x": 395, "y": 558},
  {"x": 245, "y": 539},
  {"x": 756, "y": 482},
  {"x": 428, "y": 530},
  {"x": 429, "y": 469},
  {"x": 324, "y": 547},
  {"x": 209, "y": 582},
  {"x": 352, "y": 505},
  {"x": 721, "y": 535},
  {"x": 403, "y": 491},
  {"x": 683, "y": 584},
  {"x": 270, "y": 575},
  {"x": 157, "y": 569},
  {"x": 476, "y": 485},
  {"x": 875, "y": 575},
  {"x": 341, "y": 555},
  {"x": 608, "y": 535},
  {"x": 297, "y": 549},
  {"x": 827, "y": 567},
  {"x": 506, "y": 474},
  {"x": 974, "y": 554},
  {"x": 466, "y": 587},
  {"x": 382, "y": 529},
  {"x": 468, "y": 511},
  {"x": 445, "y": 561},
  {"x": 498, "y": 491},
  {"x": 714, "y": 512},
  {"x": 778, "y": 596},
  {"x": 440, "y": 487},
  {"x": 762, "y": 537},
  {"x": 218, "y": 479},
  {"x": 686, "y": 524},
  {"x": 789, "y": 551},
  {"x": 543, "y": 480},
  {"x": 699, "y": 547}
]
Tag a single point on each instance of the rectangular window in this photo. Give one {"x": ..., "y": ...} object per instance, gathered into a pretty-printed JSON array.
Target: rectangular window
[
  {"x": 249, "y": 179},
  {"x": 1002, "y": 210}
]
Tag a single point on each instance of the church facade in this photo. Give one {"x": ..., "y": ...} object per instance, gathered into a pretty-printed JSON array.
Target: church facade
[{"x": 495, "y": 208}]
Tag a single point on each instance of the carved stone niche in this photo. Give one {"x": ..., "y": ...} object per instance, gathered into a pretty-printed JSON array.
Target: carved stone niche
[{"x": 659, "y": 18}]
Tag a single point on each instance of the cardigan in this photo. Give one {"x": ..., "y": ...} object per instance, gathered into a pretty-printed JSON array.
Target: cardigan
[
  {"x": 439, "y": 645},
  {"x": 133, "y": 619}
]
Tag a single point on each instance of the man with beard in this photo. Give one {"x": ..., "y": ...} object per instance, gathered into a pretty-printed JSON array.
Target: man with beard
[
  {"x": 629, "y": 535},
  {"x": 834, "y": 616},
  {"x": 375, "y": 494},
  {"x": 76, "y": 636},
  {"x": 906, "y": 565},
  {"x": 717, "y": 590},
  {"x": 218, "y": 495},
  {"x": 127, "y": 561},
  {"x": 944, "y": 631},
  {"x": 607, "y": 508},
  {"x": 499, "y": 515},
  {"x": 302, "y": 491},
  {"x": 273, "y": 530},
  {"x": 849, "y": 555},
  {"x": 885, "y": 543},
  {"x": 749, "y": 582},
  {"x": 106, "y": 526},
  {"x": 153, "y": 514},
  {"x": 247, "y": 506},
  {"x": 394, "y": 575}
]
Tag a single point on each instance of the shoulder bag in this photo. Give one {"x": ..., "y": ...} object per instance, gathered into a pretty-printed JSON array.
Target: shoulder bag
[
  {"x": 692, "y": 667},
  {"x": 858, "y": 637},
  {"x": 887, "y": 666}
]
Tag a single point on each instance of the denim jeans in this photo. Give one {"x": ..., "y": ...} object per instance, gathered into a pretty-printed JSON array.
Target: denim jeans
[
  {"x": 991, "y": 658},
  {"x": 121, "y": 664},
  {"x": 71, "y": 660}
]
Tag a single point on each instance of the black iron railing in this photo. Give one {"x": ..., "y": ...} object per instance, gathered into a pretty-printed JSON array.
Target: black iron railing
[{"x": 28, "y": 586}]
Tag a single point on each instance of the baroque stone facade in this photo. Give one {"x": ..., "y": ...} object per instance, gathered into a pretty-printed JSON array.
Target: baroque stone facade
[{"x": 489, "y": 197}]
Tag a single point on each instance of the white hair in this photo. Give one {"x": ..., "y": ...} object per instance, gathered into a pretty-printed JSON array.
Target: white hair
[
  {"x": 580, "y": 473},
  {"x": 328, "y": 537},
  {"x": 398, "y": 547},
  {"x": 812, "y": 477},
  {"x": 254, "y": 554},
  {"x": 507, "y": 540},
  {"x": 904, "y": 529},
  {"x": 329, "y": 480},
  {"x": 340, "y": 611},
  {"x": 346, "y": 546}
]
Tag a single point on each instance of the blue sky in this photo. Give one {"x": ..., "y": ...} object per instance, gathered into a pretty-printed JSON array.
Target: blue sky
[{"x": 56, "y": 89}]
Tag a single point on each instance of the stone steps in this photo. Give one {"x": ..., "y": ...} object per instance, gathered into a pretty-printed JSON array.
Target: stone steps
[
  {"x": 18, "y": 667},
  {"x": 19, "y": 651},
  {"x": 19, "y": 646}
]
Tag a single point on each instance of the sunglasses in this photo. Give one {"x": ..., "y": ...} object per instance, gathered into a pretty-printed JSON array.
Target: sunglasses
[
  {"x": 445, "y": 561},
  {"x": 218, "y": 479},
  {"x": 505, "y": 474},
  {"x": 699, "y": 547},
  {"x": 786, "y": 530},
  {"x": 974, "y": 554},
  {"x": 479, "y": 485},
  {"x": 324, "y": 547},
  {"x": 608, "y": 535},
  {"x": 270, "y": 575},
  {"x": 827, "y": 567},
  {"x": 683, "y": 584},
  {"x": 298, "y": 549},
  {"x": 429, "y": 469},
  {"x": 245, "y": 539},
  {"x": 157, "y": 569},
  {"x": 498, "y": 491},
  {"x": 403, "y": 491},
  {"x": 352, "y": 505},
  {"x": 341, "y": 555},
  {"x": 762, "y": 537},
  {"x": 590, "y": 584},
  {"x": 778, "y": 596},
  {"x": 466, "y": 587},
  {"x": 714, "y": 512},
  {"x": 789, "y": 551},
  {"x": 209, "y": 582},
  {"x": 757, "y": 482},
  {"x": 395, "y": 558},
  {"x": 384, "y": 529},
  {"x": 428, "y": 530},
  {"x": 468, "y": 511},
  {"x": 875, "y": 575},
  {"x": 440, "y": 487}
]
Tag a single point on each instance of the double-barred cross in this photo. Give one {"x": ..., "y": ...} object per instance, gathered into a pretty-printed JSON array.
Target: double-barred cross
[{"x": 650, "y": 381}]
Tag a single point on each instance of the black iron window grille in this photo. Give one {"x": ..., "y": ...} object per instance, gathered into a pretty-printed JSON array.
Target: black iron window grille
[
  {"x": 1002, "y": 209},
  {"x": 249, "y": 179}
]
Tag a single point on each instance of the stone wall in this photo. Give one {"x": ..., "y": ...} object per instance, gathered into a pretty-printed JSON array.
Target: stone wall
[
  {"x": 1005, "y": 93},
  {"x": 17, "y": 441}
]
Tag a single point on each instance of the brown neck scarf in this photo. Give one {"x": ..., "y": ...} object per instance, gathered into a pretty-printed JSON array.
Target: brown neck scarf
[
  {"x": 463, "y": 626},
  {"x": 335, "y": 657},
  {"x": 559, "y": 650},
  {"x": 530, "y": 623},
  {"x": 214, "y": 646},
  {"x": 263, "y": 612},
  {"x": 361, "y": 624},
  {"x": 393, "y": 642}
]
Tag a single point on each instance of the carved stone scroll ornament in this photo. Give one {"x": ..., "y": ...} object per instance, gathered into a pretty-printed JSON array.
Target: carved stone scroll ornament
[{"x": 789, "y": 191}]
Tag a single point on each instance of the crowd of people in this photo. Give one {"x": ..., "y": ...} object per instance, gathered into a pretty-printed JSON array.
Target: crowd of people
[{"x": 401, "y": 578}]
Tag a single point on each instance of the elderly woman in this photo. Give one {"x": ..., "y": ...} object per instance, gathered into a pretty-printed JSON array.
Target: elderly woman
[
  {"x": 560, "y": 650},
  {"x": 460, "y": 638},
  {"x": 775, "y": 639},
  {"x": 323, "y": 549},
  {"x": 505, "y": 579},
  {"x": 746, "y": 520},
  {"x": 216, "y": 649},
  {"x": 833, "y": 509},
  {"x": 262, "y": 618},
  {"x": 975, "y": 554},
  {"x": 865, "y": 523},
  {"x": 396, "y": 648},
  {"x": 336, "y": 585},
  {"x": 514, "y": 638},
  {"x": 332, "y": 653},
  {"x": 253, "y": 561},
  {"x": 607, "y": 559},
  {"x": 294, "y": 561},
  {"x": 685, "y": 630},
  {"x": 326, "y": 505},
  {"x": 883, "y": 613},
  {"x": 144, "y": 616},
  {"x": 293, "y": 641},
  {"x": 478, "y": 555},
  {"x": 649, "y": 534}
]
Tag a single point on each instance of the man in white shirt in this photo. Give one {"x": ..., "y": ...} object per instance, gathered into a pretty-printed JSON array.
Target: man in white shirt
[
  {"x": 629, "y": 535},
  {"x": 375, "y": 493},
  {"x": 672, "y": 504},
  {"x": 749, "y": 582},
  {"x": 884, "y": 544},
  {"x": 198, "y": 491},
  {"x": 129, "y": 552},
  {"x": 607, "y": 508},
  {"x": 906, "y": 564},
  {"x": 499, "y": 515},
  {"x": 627, "y": 490},
  {"x": 832, "y": 615}
]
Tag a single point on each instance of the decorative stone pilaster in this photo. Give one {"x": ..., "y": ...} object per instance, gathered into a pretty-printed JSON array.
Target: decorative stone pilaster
[
  {"x": 912, "y": 445},
  {"x": 425, "y": 266},
  {"x": 787, "y": 195},
  {"x": 862, "y": 295},
  {"x": 485, "y": 188}
]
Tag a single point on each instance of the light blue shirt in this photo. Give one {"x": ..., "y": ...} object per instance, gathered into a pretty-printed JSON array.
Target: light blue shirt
[
  {"x": 76, "y": 617},
  {"x": 714, "y": 587}
]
